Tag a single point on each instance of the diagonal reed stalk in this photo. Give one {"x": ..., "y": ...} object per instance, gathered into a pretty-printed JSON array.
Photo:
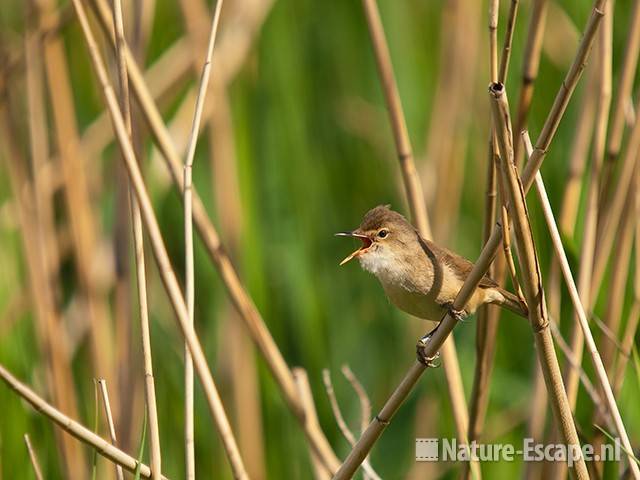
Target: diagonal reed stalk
[
  {"x": 599, "y": 368},
  {"x": 602, "y": 91},
  {"x": 164, "y": 265},
  {"x": 376, "y": 427},
  {"x": 238, "y": 294},
  {"x": 415, "y": 198},
  {"x": 37, "y": 471},
  {"x": 138, "y": 239},
  {"x": 74, "y": 428},
  {"x": 104, "y": 393},
  {"x": 190, "y": 465},
  {"x": 532, "y": 279}
]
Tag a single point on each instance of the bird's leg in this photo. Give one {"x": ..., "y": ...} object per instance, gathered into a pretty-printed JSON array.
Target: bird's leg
[{"x": 427, "y": 361}]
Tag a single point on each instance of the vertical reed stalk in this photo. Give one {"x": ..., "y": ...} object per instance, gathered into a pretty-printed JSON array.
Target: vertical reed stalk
[
  {"x": 623, "y": 94},
  {"x": 530, "y": 65},
  {"x": 138, "y": 239},
  {"x": 190, "y": 466}
]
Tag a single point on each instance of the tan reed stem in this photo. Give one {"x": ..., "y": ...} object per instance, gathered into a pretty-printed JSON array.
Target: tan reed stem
[
  {"x": 190, "y": 465},
  {"x": 508, "y": 41},
  {"x": 138, "y": 239},
  {"x": 488, "y": 315},
  {"x": 404, "y": 151},
  {"x": 532, "y": 278},
  {"x": 34, "y": 458},
  {"x": 582, "y": 317},
  {"x": 306, "y": 397},
  {"x": 239, "y": 296},
  {"x": 164, "y": 265},
  {"x": 369, "y": 473},
  {"x": 102, "y": 383},
  {"x": 634, "y": 314},
  {"x": 584, "y": 379},
  {"x": 587, "y": 251},
  {"x": 613, "y": 212},
  {"x": 494, "y": 14},
  {"x": 415, "y": 198},
  {"x": 623, "y": 93},
  {"x": 530, "y": 65},
  {"x": 72, "y": 427},
  {"x": 363, "y": 398}
]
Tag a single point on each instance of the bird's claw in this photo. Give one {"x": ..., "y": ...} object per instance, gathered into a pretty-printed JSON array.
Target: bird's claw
[
  {"x": 423, "y": 358},
  {"x": 457, "y": 315}
]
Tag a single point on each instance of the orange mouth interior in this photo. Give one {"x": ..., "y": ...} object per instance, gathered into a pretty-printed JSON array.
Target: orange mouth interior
[{"x": 366, "y": 243}]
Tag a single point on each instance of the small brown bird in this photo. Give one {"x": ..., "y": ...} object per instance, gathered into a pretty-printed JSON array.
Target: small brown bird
[{"x": 418, "y": 276}]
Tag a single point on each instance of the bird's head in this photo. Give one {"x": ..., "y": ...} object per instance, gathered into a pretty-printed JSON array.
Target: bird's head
[{"x": 385, "y": 236}]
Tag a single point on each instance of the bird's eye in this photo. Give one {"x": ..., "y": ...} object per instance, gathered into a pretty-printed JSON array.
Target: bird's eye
[{"x": 383, "y": 233}]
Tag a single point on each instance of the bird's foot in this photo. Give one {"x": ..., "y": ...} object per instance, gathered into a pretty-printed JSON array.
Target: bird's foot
[
  {"x": 457, "y": 315},
  {"x": 421, "y": 353}
]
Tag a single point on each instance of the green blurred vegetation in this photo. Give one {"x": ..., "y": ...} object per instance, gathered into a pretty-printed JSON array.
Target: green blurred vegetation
[{"x": 305, "y": 173}]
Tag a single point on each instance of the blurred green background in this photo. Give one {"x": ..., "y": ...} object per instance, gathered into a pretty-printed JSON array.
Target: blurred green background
[{"x": 313, "y": 152}]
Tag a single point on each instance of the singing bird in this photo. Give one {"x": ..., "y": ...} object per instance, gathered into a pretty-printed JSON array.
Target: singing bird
[{"x": 418, "y": 276}]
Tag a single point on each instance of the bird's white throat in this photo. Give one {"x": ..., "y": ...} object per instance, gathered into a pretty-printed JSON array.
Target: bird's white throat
[{"x": 383, "y": 264}]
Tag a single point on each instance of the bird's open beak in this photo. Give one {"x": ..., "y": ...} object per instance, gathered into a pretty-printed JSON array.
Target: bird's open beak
[{"x": 366, "y": 243}]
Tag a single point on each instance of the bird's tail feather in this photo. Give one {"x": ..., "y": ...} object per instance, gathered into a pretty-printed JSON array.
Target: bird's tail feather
[{"x": 513, "y": 303}]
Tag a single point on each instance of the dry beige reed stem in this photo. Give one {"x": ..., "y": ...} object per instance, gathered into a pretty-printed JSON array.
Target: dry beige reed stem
[
  {"x": 190, "y": 462},
  {"x": 567, "y": 223},
  {"x": 587, "y": 251},
  {"x": 415, "y": 198},
  {"x": 239, "y": 296},
  {"x": 164, "y": 265},
  {"x": 530, "y": 65},
  {"x": 74, "y": 428},
  {"x": 369, "y": 473},
  {"x": 37, "y": 471},
  {"x": 613, "y": 212},
  {"x": 138, "y": 241},
  {"x": 487, "y": 319},
  {"x": 306, "y": 397},
  {"x": 102, "y": 383},
  {"x": 623, "y": 92},
  {"x": 582, "y": 317},
  {"x": 508, "y": 40},
  {"x": 532, "y": 278},
  {"x": 398, "y": 124},
  {"x": 563, "y": 96},
  {"x": 363, "y": 398}
]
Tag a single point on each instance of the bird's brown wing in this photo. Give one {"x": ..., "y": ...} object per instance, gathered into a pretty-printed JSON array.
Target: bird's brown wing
[{"x": 460, "y": 265}]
